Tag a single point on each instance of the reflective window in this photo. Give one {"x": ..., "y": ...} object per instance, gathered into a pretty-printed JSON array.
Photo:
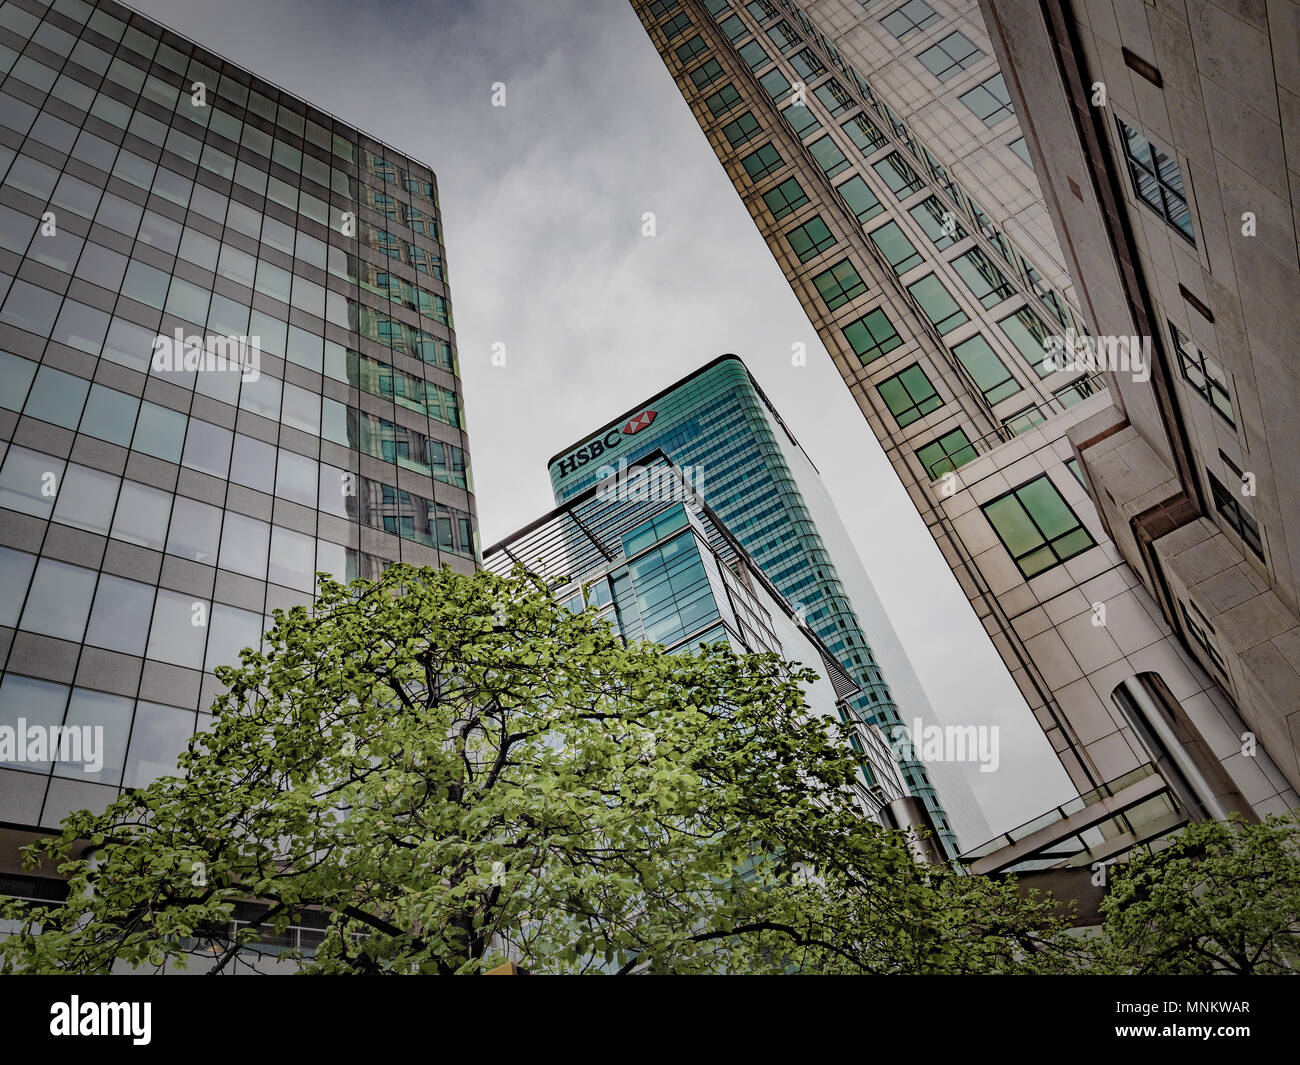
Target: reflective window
[
  {"x": 36, "y": 702},
  {"x": 110, "y": 415},
  {"x": 295, "y": 478},
  {"x": 158, "y": 735},
  {"x": 119, "y": 619},
  {"x": 231, "y": 630},
  {"x": 291, "y": 559},
  {"x": 253, "y": 463},
  {"x": 872, "y": 336},
  {"x": 207, "y": 448},
  {"x": 180, "y": 629},
  {"x": 59, "y": 601},
  {"x": 15, "y": 574},
  {"x": 142, "y": 514},
  {"x": 87, "y": 499},
  {"x": 57, "y": 397},
  {"x": 159, "y": 431},
  {"x": 29, "y": 481},
  {"x": 988, "y": 371},
  {"x": 909, "y": 395},
  {"x": 244, "y": 544},
  {"x": 1037, "y": 526},
  {"x": 946, "y": 453},
  {"x": 937, "y": 303},
  {"x": 112, "y": 714}
]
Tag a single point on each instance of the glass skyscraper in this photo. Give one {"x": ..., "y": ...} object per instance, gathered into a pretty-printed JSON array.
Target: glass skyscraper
[
  {"x": 724, "y": 434},
  {"x": 655, "y": 561},
  {"x": 227, "y": 360}
]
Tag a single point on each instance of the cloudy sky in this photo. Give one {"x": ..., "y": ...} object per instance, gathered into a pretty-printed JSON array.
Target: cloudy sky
[{"x": 542, "y": 206}]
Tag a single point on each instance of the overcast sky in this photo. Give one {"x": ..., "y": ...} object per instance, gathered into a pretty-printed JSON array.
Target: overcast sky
[{"x": 542, "y": 205}]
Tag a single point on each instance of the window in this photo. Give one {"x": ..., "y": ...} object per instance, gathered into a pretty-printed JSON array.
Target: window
[
  {"x": 688, "y": 51},
  {"x": 195, "y": 531},
  {"x": 937, "y": 303},
  {"x": 1196, "y": 629},
  {"x": 660, "y": 8},
  {"x": 1203, "y": 373},
  {"x": 244, "y": 545},
  {"x": 807, "y": 65},
  {"x": 989, "y": 101},
  {"x": 1075, "y": 392},
  {"x": 1157, "y": 180},
  {"x": 158, "y": 736},
  {"x": 1037, "y": 526},
  {"x": 775, "y": 84},
  {"x": 742, "y": 130},
  {"x": 990, "y": 375},
  {"x": 676, "y": 26},
  {"x": 828, "y": 156},
  {"x": 940, "y": 224},
  {"x": 159, "y": 431},
  {"x": 120, "y": 617},
  {"x": 785, "y": 198},
  {"x": 834, "y": 97},
  {"x": 910, "y": 19},
  {"x": 59, "y": 602},
  {"x": 983, "y": 278},
  {"x": 801, "y": 120},
  {"x": 722, "y": 101},
  {"x": 1073, "y": 466},
  {"x": 761, "y": 10},
  {"x": 840, "y": 284},
  {"x": 57, "y": 397},
  {"x": 753, "y": 55},
  {"x": 1021, "y": 149},
  {"x": 1025, "y": 419},
  {"x": 86, "y": 499},
  {"x": 734, "y": 27},
  {"x": 810, "y": 239},
  {"x": 783, "y": 35},
  {"x": 900, "y": 177},
  {"x": 863, "y": 134},
  {"x": 1028, "y": 333},
  {"x": 950, "y": 57},
  {"x": 895, "y": 247},
  {"x": 1237, "y": 517},
  {"x": 946, "y": 453},
  {"x": 861, "y": 200},
  {"x": 872, "y": 336},
  {"x": 142, "y": 515},
  {"x": 706, "y": 74},
  {"x": 909, "y": 395}
]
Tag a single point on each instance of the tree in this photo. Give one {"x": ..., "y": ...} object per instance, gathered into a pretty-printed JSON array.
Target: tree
[
  {"x": 454, "y": 770},
  {"x": 1222, "y": 897}
]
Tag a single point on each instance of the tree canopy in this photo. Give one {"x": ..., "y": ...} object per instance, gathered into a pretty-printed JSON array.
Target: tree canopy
[{"x": 450, "y": 771}]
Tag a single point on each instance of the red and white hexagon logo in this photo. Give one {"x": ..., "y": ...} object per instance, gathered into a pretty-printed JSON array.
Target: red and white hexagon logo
[{"x": 641, "y": 421}]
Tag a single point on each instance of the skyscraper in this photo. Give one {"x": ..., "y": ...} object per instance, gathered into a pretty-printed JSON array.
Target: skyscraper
[
  {"x": 643, "y": 549},
  {"x": 1162, "y": 137},
  {"x": 226, "y": 360},
  {"x": 723, "y": 432},
  {"x": 878, "y": 149}
]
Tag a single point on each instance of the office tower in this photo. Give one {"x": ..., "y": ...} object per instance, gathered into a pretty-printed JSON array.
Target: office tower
[
  {"x": 644, "y": 550},
  {"x": 719, "y": 427},
  {"x": 160, "y": 497},
  {"x": 1166, "y": 140},
  {"x": 878, "y": 150}
]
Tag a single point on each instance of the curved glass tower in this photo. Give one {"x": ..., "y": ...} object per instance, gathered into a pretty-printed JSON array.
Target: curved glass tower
[{"x": 719, "y": 427}]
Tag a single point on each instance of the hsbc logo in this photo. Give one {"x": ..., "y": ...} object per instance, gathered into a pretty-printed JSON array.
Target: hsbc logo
[
  {"x": 595, "y": 448},
  {"x": 641, "y": 421}
]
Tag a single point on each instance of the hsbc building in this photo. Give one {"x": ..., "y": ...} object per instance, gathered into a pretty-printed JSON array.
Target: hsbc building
[{"x": 755, "y": 476}]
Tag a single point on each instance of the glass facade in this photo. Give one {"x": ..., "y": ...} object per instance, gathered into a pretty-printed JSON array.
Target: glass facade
[
  {"x": 719, "y": 426},
  {"x": 227, "y": 361}
]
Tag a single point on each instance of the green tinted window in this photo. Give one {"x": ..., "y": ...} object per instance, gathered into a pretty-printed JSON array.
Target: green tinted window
[
  {"x": 872, "y": 336},
  {"x": 909, "y": 395},
  {"x": 810, "y": 239},
  {"x": 947, "y": 453},
  {"x": 937, "y": 303},
  {"x": 861, "y": 200},
  {"x": 988, "y": 371},
  {"x": 839, "y": 284},
  {"x": 1037, "y": 526},
  {"x": 785, "y": 198}
]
